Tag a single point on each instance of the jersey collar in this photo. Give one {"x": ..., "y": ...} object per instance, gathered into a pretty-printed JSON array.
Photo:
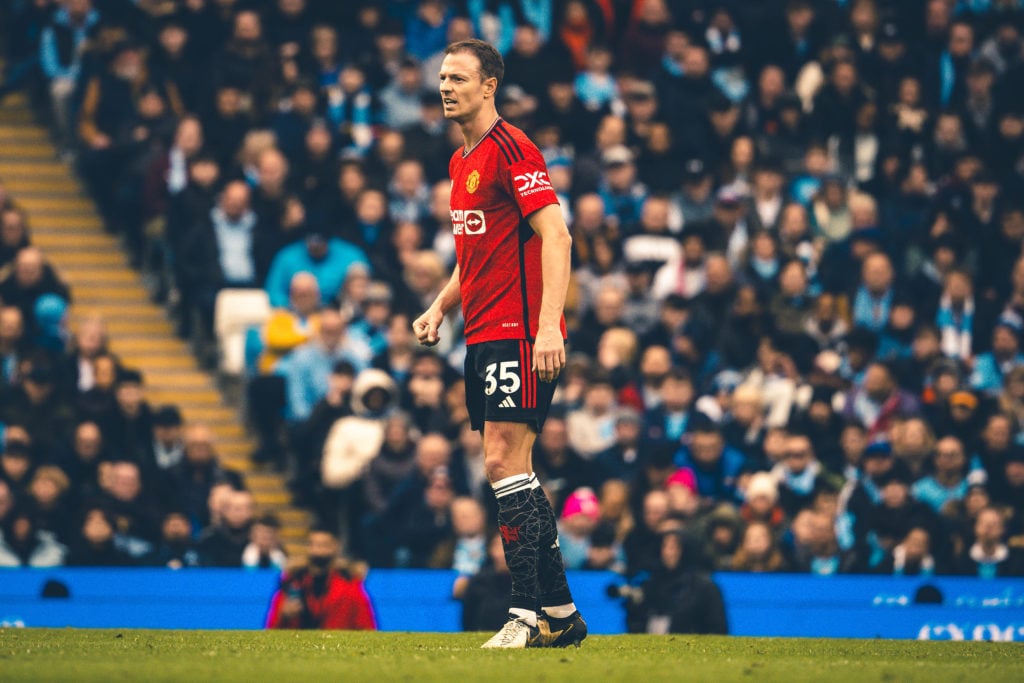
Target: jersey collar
[{"x": 467, "y": 152}]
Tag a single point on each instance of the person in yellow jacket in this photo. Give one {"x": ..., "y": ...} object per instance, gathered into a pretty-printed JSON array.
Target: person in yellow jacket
[
  {"x": 289, "y": 328},
  {"x": 285, "y": 330}
]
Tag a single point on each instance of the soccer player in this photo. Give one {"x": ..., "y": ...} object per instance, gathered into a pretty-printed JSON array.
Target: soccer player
[{"x": 513, "y": 250}]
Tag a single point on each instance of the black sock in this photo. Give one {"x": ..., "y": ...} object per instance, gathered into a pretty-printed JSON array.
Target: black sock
[
  {"x": 519, "y": 524},
  {"x": 554, "y": 589}
]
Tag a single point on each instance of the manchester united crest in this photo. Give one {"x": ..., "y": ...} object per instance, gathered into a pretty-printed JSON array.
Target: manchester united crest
[{"x": 473, "y": 182}]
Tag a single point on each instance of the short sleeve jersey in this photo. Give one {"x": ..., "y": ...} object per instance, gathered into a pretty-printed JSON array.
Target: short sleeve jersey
[{"x": 495, "y": 185}]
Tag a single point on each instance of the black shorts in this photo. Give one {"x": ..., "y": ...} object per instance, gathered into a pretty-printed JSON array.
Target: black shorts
[{"x": 500, "y": 386}]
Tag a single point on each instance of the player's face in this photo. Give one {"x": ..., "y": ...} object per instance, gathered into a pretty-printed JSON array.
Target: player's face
[{"x": 463, "y": 89}]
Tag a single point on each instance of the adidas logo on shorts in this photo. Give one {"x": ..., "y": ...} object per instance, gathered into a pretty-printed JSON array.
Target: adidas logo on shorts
[{"x": 507, "y": 402}]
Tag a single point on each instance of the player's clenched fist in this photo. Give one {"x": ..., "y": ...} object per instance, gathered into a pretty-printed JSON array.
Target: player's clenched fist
[{"x": 425, "y": 327}]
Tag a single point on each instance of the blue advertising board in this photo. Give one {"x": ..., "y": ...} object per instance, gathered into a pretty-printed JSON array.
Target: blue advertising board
[{"x": 420, "y": 600}]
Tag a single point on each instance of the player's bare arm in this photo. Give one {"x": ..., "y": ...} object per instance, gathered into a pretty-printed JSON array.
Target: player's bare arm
[
  {"x": 549, "y": 347},
  {"x": 426, "y": 326}
]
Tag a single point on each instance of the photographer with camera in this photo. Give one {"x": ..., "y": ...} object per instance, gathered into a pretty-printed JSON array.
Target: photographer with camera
[
  {"x": 677, "y": 597},
  {"x": 323, "y": 593}
]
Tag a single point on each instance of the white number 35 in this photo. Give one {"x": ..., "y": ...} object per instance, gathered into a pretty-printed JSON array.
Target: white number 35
[{"x": 508, "y": 375}]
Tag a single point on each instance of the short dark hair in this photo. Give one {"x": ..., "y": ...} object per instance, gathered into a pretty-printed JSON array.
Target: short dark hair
[{"x": 491, "y": 63}]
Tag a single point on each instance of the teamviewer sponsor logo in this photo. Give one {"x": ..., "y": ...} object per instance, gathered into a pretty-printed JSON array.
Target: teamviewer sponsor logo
[
  {"x": 468, "y": 222},
  {"x": 532, "y": 183}
]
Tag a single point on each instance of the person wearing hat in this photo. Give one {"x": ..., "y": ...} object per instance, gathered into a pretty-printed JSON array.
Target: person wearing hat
[
  {"x": 860, "y": 494},
  {"x": 370, "y": 324},
  {"x": 580, "y": 517},
  {"x": 622, "y": 193},
  {"x": 695, "y": 198},
  {"x": 621, "y": 460}
]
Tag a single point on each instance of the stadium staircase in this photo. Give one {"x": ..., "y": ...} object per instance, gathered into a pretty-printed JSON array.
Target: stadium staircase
[{"x": 65, "y": 225}]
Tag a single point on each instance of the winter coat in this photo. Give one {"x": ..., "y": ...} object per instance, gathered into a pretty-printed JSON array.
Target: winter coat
[{"x": 356, "y": 440}]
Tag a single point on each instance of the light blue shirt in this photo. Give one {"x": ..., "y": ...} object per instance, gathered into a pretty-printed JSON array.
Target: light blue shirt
[
  {"x": 48, "y": 55},
  {"x": 307, "y": 372},
  {"x": 234, "y": 246},
  {"x": 935, "y": 495},
  {"x": 330, "y": 271}
]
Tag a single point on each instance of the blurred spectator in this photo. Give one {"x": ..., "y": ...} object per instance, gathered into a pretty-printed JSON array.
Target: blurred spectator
[
  {"x": 23, "y": 545},
  {"x": 947, "y": 482},
  {"x": 354, "y": 440},
  {"x": 60, "y": 55},
  {"x": 386, "y": 531},
  {"x": 175, "y": 550},
  {"x": 715, "y": 465},
  {"x": 327, "y": 258},
  {"x": 591, "y": 428},
  {"x": 167, "y": 448},
  {"x": 30, "y": 278},
  {"x": 324, "y": 593},
  {"x": 132, "y": 511},
  {"x": 467, "y": 551},
  {"x": 484, "y": 605},
  {"x": 989, "y": 556},
  {"x": 95, "y": 546},
  {"x": 222, "y": 249},
  {"x": 811, "y": 546},
  {"x": 309, "y": 366},
  {"x": 579, "y": 519},
  {"x": 49, "y": 501},
  {"x": 198, "y": 473},
  {"x": 758, "y": 550},
  {"x": 800, "y": 475},
  {"x": 557, "y": 463},
  {"x": 912, "y": 557},
  {"x": 761, "y": 501},
  {"x": 676, "y": 598},
  {"x": 264, "y": 550},
  {"x": 223, "y": 544},
  {"x": 877, "y": 400}
]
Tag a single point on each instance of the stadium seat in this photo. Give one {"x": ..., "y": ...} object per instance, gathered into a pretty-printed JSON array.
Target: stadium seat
[{"x": 236, "y": 311}]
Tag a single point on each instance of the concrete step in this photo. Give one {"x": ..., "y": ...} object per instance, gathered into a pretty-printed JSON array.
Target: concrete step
[
  {"x": 96, "y": 295},
  {"x": 10, "y": 132},
  {"x": 70, "y": 205},
  {"x": 69, "y": 243},
  {"x": 81, "y": 224},
  {"x": 34, "y": 168},
  {"x": 29, "y": 184},
  {"x": 264, "y": 498},
  {"x": 127, "y": 329},
  {"x": 85, "y": 258},
  {"x": 16, "y": 116}
]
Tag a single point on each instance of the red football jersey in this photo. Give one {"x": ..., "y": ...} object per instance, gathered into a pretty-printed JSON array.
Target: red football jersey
[{"x": 495, "y": 186}]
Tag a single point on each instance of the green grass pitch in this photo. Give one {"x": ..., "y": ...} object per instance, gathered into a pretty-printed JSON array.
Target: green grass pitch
[{"x": 285, "y": 656}]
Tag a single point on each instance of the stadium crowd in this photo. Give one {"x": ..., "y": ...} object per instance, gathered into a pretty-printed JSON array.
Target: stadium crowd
[{"x": 795, "y": 319}]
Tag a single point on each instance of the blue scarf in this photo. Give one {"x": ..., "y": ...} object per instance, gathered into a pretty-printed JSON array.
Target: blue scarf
[{"x": 870, "y": 312}]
